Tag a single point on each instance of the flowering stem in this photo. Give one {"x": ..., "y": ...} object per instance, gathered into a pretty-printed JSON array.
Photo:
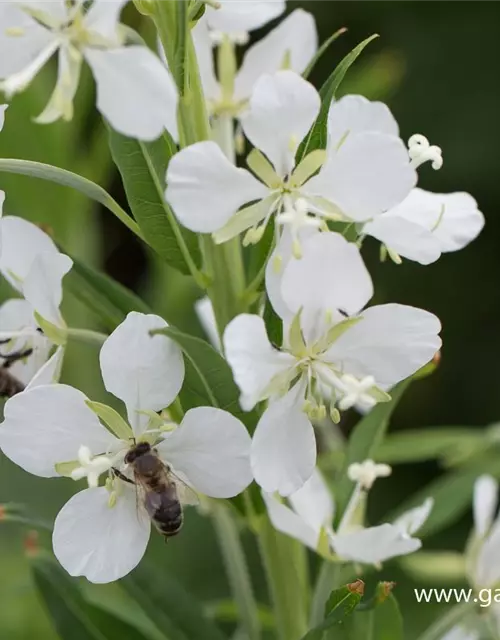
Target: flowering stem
[
  {"x": 285, "y": 562},
  {"x": 328, "y": 579},
  {"x": 237, "y": 570},
  {"x": 86, "y": 336},
  {"x": 446, "y": 622}
]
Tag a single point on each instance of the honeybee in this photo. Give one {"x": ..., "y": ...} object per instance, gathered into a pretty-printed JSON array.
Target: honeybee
[
  {"x": 162, "y": 491},
  {"x": 9, "y": 384}
]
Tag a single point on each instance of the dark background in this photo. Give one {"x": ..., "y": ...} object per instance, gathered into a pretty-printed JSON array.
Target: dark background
[{"x": 436, "y": 64}]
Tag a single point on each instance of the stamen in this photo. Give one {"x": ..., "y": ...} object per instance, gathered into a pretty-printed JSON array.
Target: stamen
[
  {"x": 365, "y": 473},
  {"x": 90, "y": 468},
  {"x": 421, "y": 151}
]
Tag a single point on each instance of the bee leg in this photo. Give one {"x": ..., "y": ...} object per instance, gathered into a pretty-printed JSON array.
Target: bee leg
[
  {"x": 11, "y": 358},
  {"x": 120, "y": 475}
]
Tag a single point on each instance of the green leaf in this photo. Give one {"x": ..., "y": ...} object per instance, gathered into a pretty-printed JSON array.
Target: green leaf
[
  {"x": 452, "y": 493},
  {"x": 168, "y": 605},
  {"x": 317, "y": 136},
  {"x": 112, "y": 419},
  {"x": 72, "y": 180},
  {"x": 72, "y": 617},
  {"x": 143, "y": 167},
  {"x": 341, "y": 604},
  {"x": 319, "y": 53},
  {"x": 382, "y": 622},
  {"x": 365, "y": 440},
  {"x": 109, "y": 300},
  {"x": 274, "y": 325},
  {"x": 208, "y": 379},
  {"x": 417, "y": 445}
]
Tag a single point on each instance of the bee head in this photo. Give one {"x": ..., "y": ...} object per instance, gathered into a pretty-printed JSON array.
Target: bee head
[{"x": 136, "y": 451}]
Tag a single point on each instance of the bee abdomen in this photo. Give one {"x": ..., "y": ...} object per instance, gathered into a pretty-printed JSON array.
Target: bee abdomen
[{"x": 168, "y": 517}]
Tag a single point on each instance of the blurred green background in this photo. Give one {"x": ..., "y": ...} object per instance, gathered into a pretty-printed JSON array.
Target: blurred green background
[{"x": 435, "y": 64}]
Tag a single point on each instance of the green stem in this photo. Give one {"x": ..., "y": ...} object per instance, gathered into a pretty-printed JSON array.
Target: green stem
[
  {"x": 328, "y": 579},
  {"x": 285, "y": 562},
  {"x": 87, "y": 336},
  {"x": 237, "y": 570},
  {"x": 446, "y": 622}
]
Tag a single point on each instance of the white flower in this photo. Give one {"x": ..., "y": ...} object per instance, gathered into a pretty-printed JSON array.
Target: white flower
[
  {"x": 483, "y": 556},
  {"x": 362, "y": 175},
  {"x": 134, "y": 90},
  {"x": 237, "y": 18},
  {"x": 292, "y": 44},
  {"x": 51, "y": 430},
  {"x": 427, "y": 224},
  {"x": 308, "y": 517},
  {"x": 32, "y": 264},
  {"x": 328, "y": 337}
]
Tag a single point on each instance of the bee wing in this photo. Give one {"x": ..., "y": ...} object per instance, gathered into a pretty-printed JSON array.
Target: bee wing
[
  {"x": 142, "y": 505},
  {"x": 185, "y": 494}
]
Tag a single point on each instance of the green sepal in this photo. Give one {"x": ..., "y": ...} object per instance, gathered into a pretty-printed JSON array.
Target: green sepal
[
  {"x": 336, "y": 331},
  {"x": 65, "y": 469},
  {"x": 379, "y": 394},
  {"x": 296, "y": 341},
  {"x": 55, "y": 334},
  {"x": 260, "y": 165},
  {"x": 112, "y": 419}
]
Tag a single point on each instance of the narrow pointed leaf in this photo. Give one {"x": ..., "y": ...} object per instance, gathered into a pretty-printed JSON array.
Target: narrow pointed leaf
[
  {"x": 209, "y": 379},
  {"x": 341, "y": 604},
  {"x": 321, "y": 51},
  {"x": 69, "y": 179},
  {"x": 143, "y": 169},
  {"x": 72, "y": 617},
  {"x": 169, "y": 606},
  {"x": 317, "y": 136}
]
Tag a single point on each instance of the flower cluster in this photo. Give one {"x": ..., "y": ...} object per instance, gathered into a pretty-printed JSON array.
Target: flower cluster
[{"x": 312, "y": 204}]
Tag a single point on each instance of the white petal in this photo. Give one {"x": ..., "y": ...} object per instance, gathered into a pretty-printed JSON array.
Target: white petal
[
  {"x": 484, "y": 503},
  {"x": 205, "y": 312},
  {"x": 205, "y": 189},
  {"x": 288, "y": 522},
  {"x": 3, "y": 108},
  {"x": 459, "y": 633},
  {"x": 276, "y": 266},
  {"x": 103, "y": 18},
  {"x": 22, "y": 241},
  {"x": 411, "y": 521},
  {"x": 50, "y": 372},
  {"x": 406, "y": 238},
  {"x": 144, "y": 371},
  {"x": 16, "y": 317},
  {"x": 60, "y": 104},
  {"x": 314, "y": 503},
  {"x": 253, "y": 359},
  {"x": 282, "y": 109},
  {"x": 244, "y": 15},
  {"x": 331, "y": 275},
  {"x": 135, "y": 91},
  {"x": 47, "y": 425},
  {"x": 211, "y": 448},
  {"x": 19, "y": 51},
  {"x": 453, "y": 218},
  {"x": 355, "y": 114},
  {"x": 42, "y": 286},
  {"x": 487, "y": 570},
  {"x": 374, "y": 544},
  {"x": 390, "y": 343},
  {"x": 102, "y": 544},
  {"x": 284, "y": 446},
  {"x": 368, "y": 175},
  {"x": 203, "y": 46},
  {"x": 294, "y": 40}
]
